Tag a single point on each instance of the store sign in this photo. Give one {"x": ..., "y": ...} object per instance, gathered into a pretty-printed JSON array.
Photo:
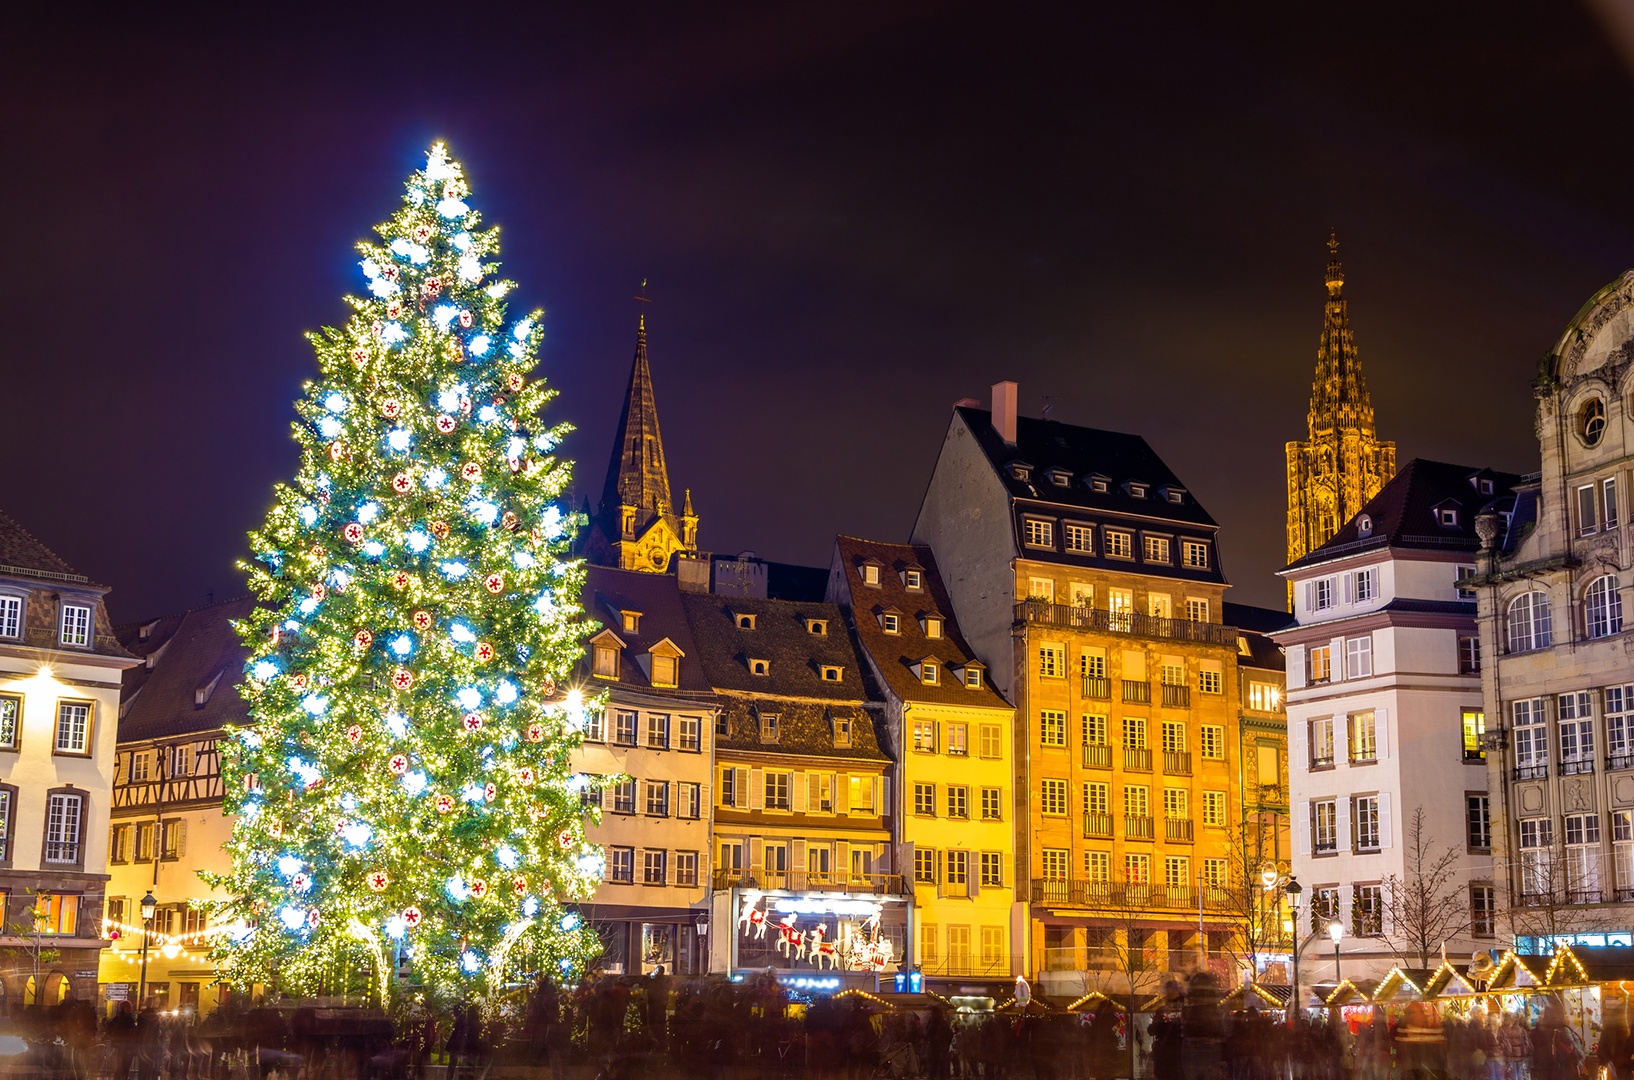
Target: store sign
[
  {"x": 118, "y": 991},
  {"x": 832, "y": 933}
]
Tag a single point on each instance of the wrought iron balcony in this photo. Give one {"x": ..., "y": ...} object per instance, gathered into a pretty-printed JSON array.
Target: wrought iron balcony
[
  {"x": 1069, "y": 617},
  {"x": 1576, "y": 766},
  {"x": 1137, "y": 758},
  {"x": 1098, "y": 688},
  {"x": 1177, "y": 762},
  {"x": 1532, "y": 772},
  {"x": 1177, "y": 830},
  {"x": 1136, "y": 896},
  {"x": 1137, "y": 692},
  {"x": 1137, "y": 828},
  {"x": 1098, "y": 826},
  {"x": 1176, "y": 696},
  {"x": 1097, "y": 756},
  {"x": 807, "y": 880}
]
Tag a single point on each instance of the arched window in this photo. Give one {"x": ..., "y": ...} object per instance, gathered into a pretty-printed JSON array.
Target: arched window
[
  {"x": 1530, "y": 624},
  {"x": 1603, "y": 608}
]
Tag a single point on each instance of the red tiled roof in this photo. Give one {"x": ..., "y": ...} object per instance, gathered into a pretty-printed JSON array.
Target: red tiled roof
[{"x": 191, "y": 650}]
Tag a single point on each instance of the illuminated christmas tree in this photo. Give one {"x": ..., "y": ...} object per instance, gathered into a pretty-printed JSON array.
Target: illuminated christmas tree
[{"x": 402, "y": 792}]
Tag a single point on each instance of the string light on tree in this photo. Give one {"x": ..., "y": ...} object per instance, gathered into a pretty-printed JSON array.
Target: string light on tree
[{"x": 411, "y": 633}]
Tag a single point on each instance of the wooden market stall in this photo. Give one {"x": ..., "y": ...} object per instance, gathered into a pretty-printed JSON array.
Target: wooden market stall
[
  {"x": 1516, "y": 985},
  {"x": 1593, "y": 983}
]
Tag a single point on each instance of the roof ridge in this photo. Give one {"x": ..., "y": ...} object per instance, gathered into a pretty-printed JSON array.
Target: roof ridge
[
  {"x": 6, "y": 518},
  {"x": 134, "y": 623}
]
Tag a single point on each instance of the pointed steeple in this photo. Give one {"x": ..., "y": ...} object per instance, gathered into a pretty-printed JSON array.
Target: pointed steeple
[
  {"x": 1339, "y": 397},
  {"x": 637, "y": 475}
]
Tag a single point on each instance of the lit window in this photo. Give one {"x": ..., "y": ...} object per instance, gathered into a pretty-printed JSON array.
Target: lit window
[
  {"x": 1211, "y": 742},
  {"x": 933, "y": 626},
  {"x": 1052, "y": 660},
  {"x": 973, "y": 677},
  {"x": 760, "y": 667},
  {"x": 664, "y": 670},
  {"x": 63, "y": 821},
  {"x": 870, "y": 575},
  {"x": 929, "y": 673},
  {"x": 73, "y": 727},
  {"x": 606, "y": 662},
  {"x": 913, "y": 580},
  {"x": 1052, "y": 728},
  {"x": 1157, "y": 549},
  {"x": 11, "y": 714},
  {"x": 1194, "y": 554},
  {"x": 76, "y": 625},
  {"x": 1119, "y": 544},
  {"x": 1039, "y": 533},
  {"x": 1079, "y": 538},
  {"x": 1603, "y": 608},
  {"x": 891, "y": 622}
]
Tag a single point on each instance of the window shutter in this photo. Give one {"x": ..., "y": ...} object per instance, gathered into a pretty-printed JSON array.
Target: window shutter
[
  {"x": 1349, "y": 594},
  {"x": 836, "y": 792},
  {"x": 756, "y": 853},
  {"x": 1381, "y": 725},
  {"x": 882, "y": 793},
  {"x": 1384, "y": 819},
  {"x": 1304, "y": 816},
  {"x": 842, "y": 857},
  {"x": 973, "y": 871},
  {"x": 757, "y": 789},
  {"x": 797, "y": 860},
  {"x": 842, "y": 793},
  {"x": 181, "y": 837},
  {"x": 741, "y": 798},
  {"x": 1298, "y": 740},
  {"x": 802, "y": 785},
  {"x": 1341, "y": 830}
]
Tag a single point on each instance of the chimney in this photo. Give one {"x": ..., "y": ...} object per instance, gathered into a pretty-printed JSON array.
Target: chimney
[{"x": 1004, "y": 411}]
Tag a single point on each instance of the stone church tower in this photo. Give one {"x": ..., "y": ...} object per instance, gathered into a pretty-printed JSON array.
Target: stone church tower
[
  {"x": 1342, "y": 463},
  {"x": 636, "y": 526}
]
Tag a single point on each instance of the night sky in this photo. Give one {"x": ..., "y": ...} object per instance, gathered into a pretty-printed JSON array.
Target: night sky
[{"x": 851, "y": 215}]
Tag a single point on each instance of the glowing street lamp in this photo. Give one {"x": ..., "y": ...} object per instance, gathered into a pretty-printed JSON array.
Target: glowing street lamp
[
  {"x": 1336, "y": 931},
  {"x": 150, "y": 907}
]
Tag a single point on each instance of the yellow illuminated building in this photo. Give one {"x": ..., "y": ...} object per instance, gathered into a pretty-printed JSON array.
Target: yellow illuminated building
[
  {"x": 952, "y": 735},
  {"x": 1342, "y": 463},
  {"x": 1088, "y": 578}
]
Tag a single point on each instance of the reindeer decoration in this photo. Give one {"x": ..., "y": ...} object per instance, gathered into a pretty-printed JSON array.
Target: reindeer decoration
[
  {"x": 822, "y": 949},
  {"x": 790, "y": 942},
  {"x": 752, "y": 919}
]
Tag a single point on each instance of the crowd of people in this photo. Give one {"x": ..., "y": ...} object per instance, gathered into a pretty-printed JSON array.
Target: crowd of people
[{"x": 617, "y": 1027}]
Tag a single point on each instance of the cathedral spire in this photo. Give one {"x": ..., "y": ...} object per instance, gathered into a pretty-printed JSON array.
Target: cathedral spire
[
  {"x": 637, "y": 475},
  {"x": 1342, "y": 463}
]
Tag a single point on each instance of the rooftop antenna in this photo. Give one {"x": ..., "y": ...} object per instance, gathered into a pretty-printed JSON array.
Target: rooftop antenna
[{"x": 1049, "y": 403}]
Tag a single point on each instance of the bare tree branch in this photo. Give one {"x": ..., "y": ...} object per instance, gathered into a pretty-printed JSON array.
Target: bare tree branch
[{"x": 1427, "y": 906}]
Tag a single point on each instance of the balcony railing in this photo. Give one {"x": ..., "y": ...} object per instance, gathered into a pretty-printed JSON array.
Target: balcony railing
[
  {"x": 1532, "y": 772},
  {"x": 1583, "y": 896},
  {"x": 1137, "y": 758},
  {"x": 1078, "y": 892},
  {"x": 1321, "y": 761},
  {"x": 1177, "y": 830},
  {"x": 57, "y": 851},
  {"x": 1095, "y": 687},
  {"x": 1136, "y": 827},
  {"x": 1176, "y": 696},
  {"x": 1576, "y": 766},
  {"x": 804, "y": 880},
  {"x": 1137, "y": 692},
  {"x": 1623, "y": 893},
  {"x": 1098, "y": 826},
  {"x": 1177, "y": 762},
  {"x": 1619, "y": 761},
  {"x": 1097, "y": 756},
  {"x": 966, "y": 965},
  {"x": 1325, "y": 847},
  {"x": 1069, "y": 617}
]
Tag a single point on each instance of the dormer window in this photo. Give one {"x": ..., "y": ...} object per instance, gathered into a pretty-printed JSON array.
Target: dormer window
[
  {"x": 76, "y": 625},
  {"x": 932, "y": 625},
  {"x": 1175, "y": 495},
  {"x": 201, "y": 696},
  {"x": 831, "y": 672},
  {"x": 745, "y": 622},
  {"x": 631, "y": 621},
  {"x": 768, "y": 727},
  {"x": 870, "y": 575},
  {"x": 1060, "y": 478},
  {"x": 1447, "y": 516},
  {"x": 842, "y": 732},
  {"x": 891, "y": 622},
  {"x": 664, "y": 664},
  {"x": 913, "y": 579},
  {"x": 1481, "y": 484},
  {"x": 1038, "y": 532},
  {"x": 1100, "y": 485},
  {"x": 1136, "y": 489},
  {"x": 1020, "y": 471},
  {"x": 973, "y": 676},
  {"x": 929, "y": 672},
  {"x": 606, "y": 661},
  {"x": 818, "y": 627},
  {"x": 760, "y": 667}
]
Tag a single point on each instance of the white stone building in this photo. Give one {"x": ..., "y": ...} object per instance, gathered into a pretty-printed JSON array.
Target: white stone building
[{"x": 1384, "y": 720}]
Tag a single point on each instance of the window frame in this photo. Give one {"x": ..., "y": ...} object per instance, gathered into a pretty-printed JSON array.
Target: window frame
[
  {"x": 17, "y": 624},
  {"x": 1038, "y": 532},
  {"x": 83, "y": 798},
  {"x": 89, "y": 747},
  {"x": 89, "y": 628}
]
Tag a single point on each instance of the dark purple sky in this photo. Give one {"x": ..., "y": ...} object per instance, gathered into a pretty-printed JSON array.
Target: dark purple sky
[{"x": 852, "y": 215}]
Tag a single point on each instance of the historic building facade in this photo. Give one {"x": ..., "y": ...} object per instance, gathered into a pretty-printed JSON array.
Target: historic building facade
[
  {"x": 60, "y": 668},
  {"x": 1342, "y": 463},
  {"x": 1555, "y": 566},
  {"x": 167, "y": 825},
  {"x": 1088, "y": 579},
  {"x": 1385, "y": 721},
  {"x": 646, "y": 762},
  {"x": 636, "y": 527},
  {"x": 805, "y": 879},
  {"x": 952, "y": 735}
]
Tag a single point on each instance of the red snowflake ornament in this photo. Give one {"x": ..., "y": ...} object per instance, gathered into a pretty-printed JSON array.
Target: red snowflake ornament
[
  {"x": 298, "y": 682},
  {"x": 391, "y": 408},
  {"x": 422, "y": 620},
  {"x": 479, "y": 889},
  {"x": 519, "y": 886},
  {"x": 490, "y": 791},
  {"x": 337, "y": 451},
  {"x": 312, "y": 917},
  {"x": 422, "y": 232},
  {"x": 400, "y": 580},
  {"x": 352, "y": 532},
  {"x": 444, "y": 804},
  {"x": 318, "y": 591},
  {"x": 300, "y": 882},
  {"x": 471, "y": 472},
  {"x": 465, "y": 320},
  {"x": 402, "y": 484},
  {"x": 354, "y": 734},
  {"x": 413, "y": 917},
  {"x": 507, "y": 520},
  {"x": 565, "y": 838},
  {"x": 402, "y": 679},
  {"x": 378, "y": 880},
  {"x": 536, "y": 732},
  {"x": 439, "y": 529},
  {"x": 432, "y": 287},
  {"x": 390, "y": 273},
  {"x": 394, "y": 310},
  {"x": 524, "y": 775},
  {"x": 446, "y": 423},
  {"x": 363, "y": 639},
  {"x": 484, "y": 652},
  {"x": 514, "y": 381},
  {"x": 472, "y": 722},
  {"x": 398, "y": 764},
  {"x": 360, "y": 356},
  {"x": 495, "y": 582}
]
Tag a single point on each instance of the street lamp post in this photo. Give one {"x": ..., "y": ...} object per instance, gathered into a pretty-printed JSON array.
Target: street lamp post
[
  {"x": 1336, "y": 931},
  {"x": 150, "y": 906},
  {"x": 1293, "y": 889}
]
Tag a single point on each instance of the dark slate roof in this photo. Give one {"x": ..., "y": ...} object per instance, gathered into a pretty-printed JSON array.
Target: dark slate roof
[
  {"x": 1403, "y": 513},
  {"x": 1084, "y": 452},
  {"x": 1263, "y": 653},
  {"x": 1258, "y": 619},
  {"x": 191, "y": 650},
  {"x": 791, "y": 581},
  {"x": 22, "y": 554},
  {"x": 803, "y": 727},
  {"x": 608, "y": 592},
  {"x": 780, "y": 636},
  {"x": 895, "y": 654}
]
